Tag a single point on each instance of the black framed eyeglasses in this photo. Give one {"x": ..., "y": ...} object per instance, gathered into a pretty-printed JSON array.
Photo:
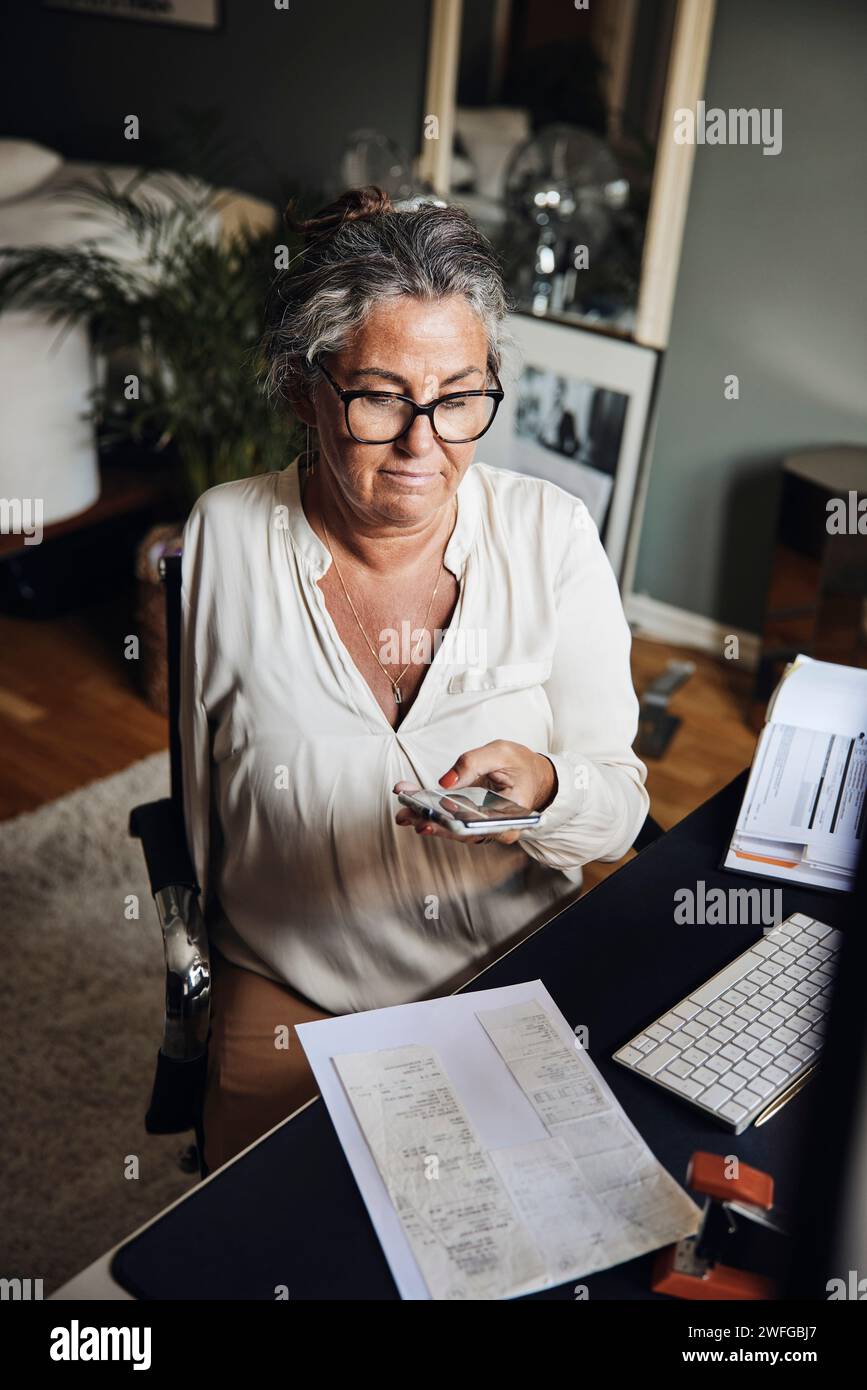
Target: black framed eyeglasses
[{"x": 381, "y": 417}]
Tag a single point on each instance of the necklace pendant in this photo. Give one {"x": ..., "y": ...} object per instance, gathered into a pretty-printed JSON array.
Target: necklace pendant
[{"x": 398, "y": 698}]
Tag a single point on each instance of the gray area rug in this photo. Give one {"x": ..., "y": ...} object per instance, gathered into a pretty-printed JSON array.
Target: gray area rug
[{"x": 80, "y": 1031}]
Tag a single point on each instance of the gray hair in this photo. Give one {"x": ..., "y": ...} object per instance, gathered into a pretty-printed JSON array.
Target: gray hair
[{"x": 361, "y": 251}]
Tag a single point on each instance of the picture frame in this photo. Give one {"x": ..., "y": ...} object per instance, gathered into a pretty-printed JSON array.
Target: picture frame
[
  {"x": 575, "y": 412},
  {"x": 181, "y": 14}
]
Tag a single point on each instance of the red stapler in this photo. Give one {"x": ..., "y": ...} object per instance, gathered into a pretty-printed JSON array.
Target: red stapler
[{"x": 693, "y": 1268}]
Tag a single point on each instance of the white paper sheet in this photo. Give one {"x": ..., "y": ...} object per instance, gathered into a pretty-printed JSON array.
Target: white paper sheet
[
  {"x": 806, "y": 790},
  {"x": 821, "y": 695},
  {"x": 465, "y": 1234},
  {"x": 491, "y": 1155}
]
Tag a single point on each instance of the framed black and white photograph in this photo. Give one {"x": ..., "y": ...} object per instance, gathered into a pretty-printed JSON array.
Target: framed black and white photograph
[
  {"x": 190, "y": 14},
  {"x": 575, "y": 413}
]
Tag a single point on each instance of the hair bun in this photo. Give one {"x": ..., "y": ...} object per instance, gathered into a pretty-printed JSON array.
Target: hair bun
[{"x": 351, "y": 206}]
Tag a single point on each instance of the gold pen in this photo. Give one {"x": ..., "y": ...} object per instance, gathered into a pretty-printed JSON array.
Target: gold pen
[{"x": 797, "y": 1085}]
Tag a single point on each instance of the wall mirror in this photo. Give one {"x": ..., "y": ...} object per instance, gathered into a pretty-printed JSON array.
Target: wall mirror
[{"x": 554, "y": 127}]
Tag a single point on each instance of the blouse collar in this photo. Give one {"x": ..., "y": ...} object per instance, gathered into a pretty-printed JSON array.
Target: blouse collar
[{"x": 315, "y": 553}]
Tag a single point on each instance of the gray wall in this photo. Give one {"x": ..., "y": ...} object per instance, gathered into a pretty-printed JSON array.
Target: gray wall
[
  {"x": 292, "y": 84},
  {"x": 773, "y": 287}
]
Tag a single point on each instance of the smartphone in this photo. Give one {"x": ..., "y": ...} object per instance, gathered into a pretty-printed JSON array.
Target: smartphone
[{"x": 472, "y": 811}]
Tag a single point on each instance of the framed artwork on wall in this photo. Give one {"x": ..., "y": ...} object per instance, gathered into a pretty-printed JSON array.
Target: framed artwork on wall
[
  {"x": 190, "y": 14},
  {"x": 575, "y": 412}
]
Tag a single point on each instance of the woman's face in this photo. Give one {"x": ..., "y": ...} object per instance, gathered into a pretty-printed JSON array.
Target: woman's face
[{"x": 422, "y": 350}]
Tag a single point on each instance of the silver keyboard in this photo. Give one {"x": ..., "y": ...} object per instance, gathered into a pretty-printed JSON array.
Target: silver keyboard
[{"x": 736, "y": 1044}]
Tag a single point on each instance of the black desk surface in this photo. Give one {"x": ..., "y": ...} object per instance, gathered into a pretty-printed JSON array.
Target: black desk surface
[{"x": 289, "y": 1212}]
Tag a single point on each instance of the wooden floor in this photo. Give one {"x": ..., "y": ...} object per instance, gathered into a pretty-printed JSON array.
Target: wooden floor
[{"x": 70, "y": 712}]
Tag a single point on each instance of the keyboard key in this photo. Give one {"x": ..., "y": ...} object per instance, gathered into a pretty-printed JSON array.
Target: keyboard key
[
  {"x": 811, "y": 987},
  {"x": 721, "y": 1034},
  {"x": 684, "y": 1084},
  {"x": 708, "y": 1044},
  {"x": 707, "y": 1019},
  {"x": 671, "y": 1021},
  {"x": 782, "y": 956},
  {"x": 812, "y": 962},
  {"x": 765, "y": 948},
  {"x": 732, "y": 997},
  {"x": 759, "y": 1058},
  {"x": 781, "y": 1009},
  {"x": 759, "y": 977},
  {"x": 745, "y": 1069},
  {"x": 694, "y": 1029},
  {"x": 721, "y": 1008},
  {"x": 788, "y": 1062},
  {"x": 703, "y": 1076},
  {"x": 763, "y": 1000},
  {"x": 802, "y": 1052},
  {"x": 718, "y": 1064},
  {"x": 733, "y": 1112},
  {"x": 774, "y": 1046},
  {"x": 657, "y": 1033},
  {"x": 694, "y": 1057},
  {"x": 716, "y": 1096},
  {"x": 732, "y": 1052},
  {"x": 745, "y": 1014},
  {"x": 749, "y": 1099},
  {"x": 786, "y": 1035},
  {"x": 797, "y": 998},
  {"x": 812, "y": 1039},
  {"x": 643, "y": 1043},
  {"x": 775, "y": 1074},
  {"x": 680, "y": 1067},
  {"x": 721, "y": 982},
  {"x": 800, "y": 920},
  {"x": 654, "y": 1061},
  {"x": 818, "y": 929},
  {"x": 798, "y": 1024},
  {"x": 761, "y": 1084},
  {"x": 630, "y": 1055},
  {"x": 758, "y": 1030},
  {"x": 686, "y": 1010}
]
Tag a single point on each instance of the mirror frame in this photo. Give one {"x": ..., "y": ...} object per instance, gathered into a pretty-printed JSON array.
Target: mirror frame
[{"x": 672, "y": 174}]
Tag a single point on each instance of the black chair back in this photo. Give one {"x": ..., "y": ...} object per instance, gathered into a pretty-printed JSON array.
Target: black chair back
[{"x": 171, "y": 572}]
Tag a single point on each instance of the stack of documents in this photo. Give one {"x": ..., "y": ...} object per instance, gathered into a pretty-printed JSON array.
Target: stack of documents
[
  {"x": 491, "y": 1155},
  {"x": 802, "y": 818}
]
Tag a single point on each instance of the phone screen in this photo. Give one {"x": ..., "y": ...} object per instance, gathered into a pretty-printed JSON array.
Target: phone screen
[{"x": 475, "y": 806}]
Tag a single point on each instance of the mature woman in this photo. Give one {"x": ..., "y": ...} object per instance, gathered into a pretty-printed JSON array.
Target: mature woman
[{"x": 390, "y": 615}]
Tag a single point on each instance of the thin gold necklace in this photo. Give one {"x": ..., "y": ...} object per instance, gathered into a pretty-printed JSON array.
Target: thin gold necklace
[{"x": 394, "y": 682}]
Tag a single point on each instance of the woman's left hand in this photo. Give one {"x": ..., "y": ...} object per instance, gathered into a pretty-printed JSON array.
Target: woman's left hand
[{"x": 507, "y": 768}]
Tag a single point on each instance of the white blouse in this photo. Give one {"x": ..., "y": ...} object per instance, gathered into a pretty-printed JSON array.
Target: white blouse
[{"x": 289, "y": 762}]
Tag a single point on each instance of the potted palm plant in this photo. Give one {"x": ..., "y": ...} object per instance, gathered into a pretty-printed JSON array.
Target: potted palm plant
[{"x": 174, "y": 308}]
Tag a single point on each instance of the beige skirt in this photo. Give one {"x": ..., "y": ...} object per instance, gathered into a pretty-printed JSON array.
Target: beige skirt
[{"x": 257, "y": 1069}]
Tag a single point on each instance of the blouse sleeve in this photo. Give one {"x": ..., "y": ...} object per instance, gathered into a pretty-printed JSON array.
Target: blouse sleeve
[
  {"x": 601, "y": 802},
  {"x": 194, "y": 728}
]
